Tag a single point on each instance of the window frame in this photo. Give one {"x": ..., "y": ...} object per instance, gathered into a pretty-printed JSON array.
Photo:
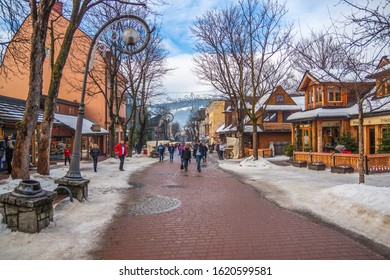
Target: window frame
[
  {"x": 268, "y": 114},
  {"x": 331, "y": 90}
]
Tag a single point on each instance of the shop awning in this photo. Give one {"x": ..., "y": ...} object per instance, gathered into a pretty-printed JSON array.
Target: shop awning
[{"x": 89, "y": 127}]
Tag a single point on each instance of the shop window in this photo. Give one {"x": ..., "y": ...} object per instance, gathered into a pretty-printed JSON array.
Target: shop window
[
  {"x": 334, "y": 94},
  {"x": 270, "y": 117}
]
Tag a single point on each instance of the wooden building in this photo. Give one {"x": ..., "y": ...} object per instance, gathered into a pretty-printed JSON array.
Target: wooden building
[{"x": 331, "y": 110}]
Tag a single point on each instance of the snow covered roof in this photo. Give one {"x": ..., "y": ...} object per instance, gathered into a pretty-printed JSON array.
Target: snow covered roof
[
  {"x": 373, "y": 105},
  {"x": 249, "y": 129},
  {"x": 71, "y": 122},
  {"x": 232, "y": 128},
  {"x": 299, "y": 100},
  {"x": 324, "y": 113},
  {"x": 12, "y": 110},
  {"x": 334, "y": 75},
  {"x": 283, "y": 107}
]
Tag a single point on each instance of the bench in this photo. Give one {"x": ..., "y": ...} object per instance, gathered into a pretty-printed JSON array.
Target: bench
[{"x": 62, "y": 193}]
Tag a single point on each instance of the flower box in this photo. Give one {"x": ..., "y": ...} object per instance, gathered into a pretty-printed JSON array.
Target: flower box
[
  {"x": 317, "y": 166},
  {"x": 341, "y": 169},
  {"x": 299, "y": 163}
]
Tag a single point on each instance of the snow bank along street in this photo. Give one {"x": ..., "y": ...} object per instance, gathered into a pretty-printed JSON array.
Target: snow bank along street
[{"x": 76, "y": 229}]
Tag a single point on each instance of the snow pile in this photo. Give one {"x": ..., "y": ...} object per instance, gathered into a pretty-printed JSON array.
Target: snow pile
[
  {"x": 76, "y": 226},
  {"x": 260, "y": 163},
  {"x": 360, "y": 208}
]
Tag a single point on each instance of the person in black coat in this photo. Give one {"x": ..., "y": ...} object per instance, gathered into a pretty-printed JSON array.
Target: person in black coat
[
  {"x": 9, "y": 154},
  {"x": 95, "y": 153},
  {"x": 186, "y": 156}
]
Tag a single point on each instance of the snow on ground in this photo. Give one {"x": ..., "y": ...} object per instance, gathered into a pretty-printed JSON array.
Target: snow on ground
[
  {"x": 76, "y": 226},
  {"x": 336, "y": 198}
]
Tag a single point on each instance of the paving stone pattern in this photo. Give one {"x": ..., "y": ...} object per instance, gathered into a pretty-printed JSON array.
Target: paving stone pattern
[{"x": 211, "y": 215}]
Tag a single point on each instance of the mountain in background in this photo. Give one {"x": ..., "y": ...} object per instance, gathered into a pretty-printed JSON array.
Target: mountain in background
[{"x": 181, "y": 110}]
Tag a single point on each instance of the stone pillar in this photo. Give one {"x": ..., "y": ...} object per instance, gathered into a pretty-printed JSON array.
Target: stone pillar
[{"x": 79, "y": 188}]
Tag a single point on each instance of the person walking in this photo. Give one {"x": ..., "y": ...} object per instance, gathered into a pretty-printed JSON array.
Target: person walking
[
  {"x": 222, "y": 148},
  {"x": 195, "y": 148},
  {"x": 180, "y": 149},
  {"x": 171, "y": 150},
  {"x": 67, "y": 154},
  {"x": 95, "y": 153},
  {"x": 186, "y": 156},
  {"x": 199, "y": 153},
  {"x": 121, "y": 151},
  {"x": 9, "y": 154},
  {"x": 161, "y": 151},
  {"x": 204, "y": 152}
]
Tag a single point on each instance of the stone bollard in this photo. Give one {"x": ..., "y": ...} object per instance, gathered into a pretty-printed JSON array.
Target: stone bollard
[{"x": 28, "y": 208}]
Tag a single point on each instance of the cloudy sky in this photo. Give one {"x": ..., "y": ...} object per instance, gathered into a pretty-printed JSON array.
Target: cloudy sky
[{"x": 180, "y": 14}]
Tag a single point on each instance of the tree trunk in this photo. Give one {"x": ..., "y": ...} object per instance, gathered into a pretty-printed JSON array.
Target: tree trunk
[
  {"x": 26, "y": 128},
  {"x": 142, "y": 124},
  {"x": 43, "y": 167},
  {"x": 112, "y": 139},
  {"x": 255, "y": 143},
  {"x": 361, "y": 144}
]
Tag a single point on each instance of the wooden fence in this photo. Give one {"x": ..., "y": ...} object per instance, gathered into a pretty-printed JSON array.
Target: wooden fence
[
  {"x": 377, "y": 163},
  {"x": 261, "y": 152}
]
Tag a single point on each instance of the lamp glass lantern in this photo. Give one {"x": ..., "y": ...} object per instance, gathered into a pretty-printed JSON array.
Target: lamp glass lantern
[{"x": 130, "y": 37}]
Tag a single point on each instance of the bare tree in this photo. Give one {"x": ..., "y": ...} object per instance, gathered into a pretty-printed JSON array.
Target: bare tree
[
  {"x": 219, "y": 60},
  {"x": 175, "y": 127},
  {"x": 244, "y": 55},
  {"x": 320, "y": 47},
  {"x": 371, "y": 24}
]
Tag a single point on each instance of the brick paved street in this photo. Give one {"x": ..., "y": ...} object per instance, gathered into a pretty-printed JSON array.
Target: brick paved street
[{"x": 172, "y": 214}]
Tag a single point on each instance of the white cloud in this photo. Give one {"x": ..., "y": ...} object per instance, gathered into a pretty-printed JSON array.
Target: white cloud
[{"x": 182, "y": 81}]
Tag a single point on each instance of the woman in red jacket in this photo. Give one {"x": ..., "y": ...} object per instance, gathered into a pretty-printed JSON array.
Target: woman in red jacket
[{"x": 121, "y": 150}]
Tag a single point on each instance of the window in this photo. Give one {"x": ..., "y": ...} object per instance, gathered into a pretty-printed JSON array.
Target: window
[
  {"x": 383, "y": 89},
  {"x": 319, "y": 94},
  {"x": 286, "y": 115},
  {"x": 279, "y": 98},
  {"x": 270, "y": 117},
  {"x": 309, "y": 97},
  {"x": 334, "y": 93}
]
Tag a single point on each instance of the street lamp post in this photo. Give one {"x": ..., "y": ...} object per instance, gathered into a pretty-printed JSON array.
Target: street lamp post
[{"x": 133, "y": 44}]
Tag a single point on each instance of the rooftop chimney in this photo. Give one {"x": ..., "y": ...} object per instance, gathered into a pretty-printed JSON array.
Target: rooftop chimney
[{"x": 58, "y": 7}]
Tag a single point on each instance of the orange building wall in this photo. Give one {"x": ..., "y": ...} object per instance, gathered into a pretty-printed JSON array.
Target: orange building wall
[{"x": 16, "y": 83}]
